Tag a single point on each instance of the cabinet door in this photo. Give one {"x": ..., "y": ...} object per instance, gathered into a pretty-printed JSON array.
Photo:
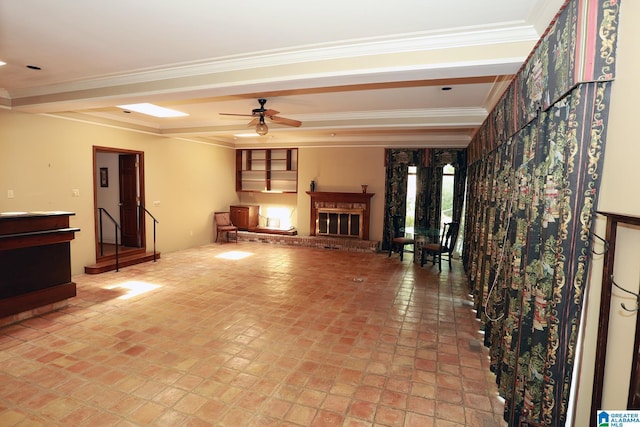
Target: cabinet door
[{"x": 239, "y": 217}]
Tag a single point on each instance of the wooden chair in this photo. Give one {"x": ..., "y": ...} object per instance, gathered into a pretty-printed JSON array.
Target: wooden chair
[
  {"x": 444, "y": 247},
  {"x": 224, "y": 225},
  {"x": 397, "y": 237}
]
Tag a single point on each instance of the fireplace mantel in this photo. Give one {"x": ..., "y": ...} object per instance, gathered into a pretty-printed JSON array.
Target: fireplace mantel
[{"x": 338, "y": 198}]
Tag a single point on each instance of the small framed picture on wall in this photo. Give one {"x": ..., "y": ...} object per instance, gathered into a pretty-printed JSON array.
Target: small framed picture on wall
[{"x": 104, "y": 177}]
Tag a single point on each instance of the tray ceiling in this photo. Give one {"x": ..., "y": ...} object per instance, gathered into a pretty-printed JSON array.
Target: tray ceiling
[{"x": 355, "y": 73}]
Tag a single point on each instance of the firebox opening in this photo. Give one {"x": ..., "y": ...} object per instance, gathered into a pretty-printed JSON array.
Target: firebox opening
[{"x": 338, "y": 222}]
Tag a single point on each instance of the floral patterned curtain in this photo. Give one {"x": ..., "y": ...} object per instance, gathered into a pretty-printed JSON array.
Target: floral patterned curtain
[
  {"x": 533, "y": 184},
  {"x": 459, "y": 184},
  {"x": 398, "y": 162},
  {"x": 429, "y": 164},
  {"x": 458, "y": 159},
  {"x": 433, "y": 198}
]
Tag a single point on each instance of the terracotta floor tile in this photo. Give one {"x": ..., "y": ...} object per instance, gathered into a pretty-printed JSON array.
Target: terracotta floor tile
[
  {"x": 418, "y": 420},
  {"x": 338, "y": 404},
  {"x": 355, "y": 422},
  {"x": 212, "y": 411},
  {"x": 389, "y": 416},
  {"x": 449, "y": 381},
  {"x": 362, "y": 410},
  {"x": 169, "y": 396},
  {"x": 477, "y": 401},
  {"x": 236, "y": 417},
  {"x": 190, "y": 403},
  {"x": 327, "y": 419},
  {"x": 475, "y": 418},
  {"x": 80, "y": 415},
  {"x": 368, "y": 393},
  {"x": 102, "y": 420},
  {"x": 450, "y": 412},
  {"x": 421, "y": 405},
  {"x": 283, "y": 337},
  {"x": 311, "y": 398},
  {"x": 172, "y": 418}
]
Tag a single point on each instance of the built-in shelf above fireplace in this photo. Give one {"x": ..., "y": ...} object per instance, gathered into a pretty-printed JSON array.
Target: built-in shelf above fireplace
[{"x": 340, "y": 214}]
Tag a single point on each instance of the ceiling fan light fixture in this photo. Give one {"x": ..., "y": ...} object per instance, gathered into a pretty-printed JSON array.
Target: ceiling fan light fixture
[
  {"x": 259, "y": 115},
  {"x": 261, "y": 127}
]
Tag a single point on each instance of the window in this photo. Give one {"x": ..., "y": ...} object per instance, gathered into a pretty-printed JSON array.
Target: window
[
  {"x": 409, "y": 222},
  {"x": 446, "y": 209},
  {"x": 446, "y": 201}
]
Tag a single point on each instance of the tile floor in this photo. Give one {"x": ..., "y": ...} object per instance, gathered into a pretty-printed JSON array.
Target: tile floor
[{"x": 254, "y": 335}]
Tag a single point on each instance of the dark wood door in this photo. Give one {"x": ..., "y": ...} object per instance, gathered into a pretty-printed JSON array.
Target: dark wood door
[{"x": 129, "y": 211}]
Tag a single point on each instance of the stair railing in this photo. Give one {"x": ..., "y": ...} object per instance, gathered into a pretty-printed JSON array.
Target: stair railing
[
  {"x": 155, "y": 221},
  {"x": 117, "y": 227}
]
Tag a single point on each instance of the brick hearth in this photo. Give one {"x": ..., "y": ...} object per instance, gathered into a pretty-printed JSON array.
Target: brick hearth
[{"x": 339, "y": 243}]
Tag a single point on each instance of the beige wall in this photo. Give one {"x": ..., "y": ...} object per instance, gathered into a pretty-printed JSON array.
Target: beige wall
[
  {"x": 619, "y": 192},
  {"x": 42, "y": 159},
  {"x": 333, "y": 169},
  {"x": 343, "y": 170}
]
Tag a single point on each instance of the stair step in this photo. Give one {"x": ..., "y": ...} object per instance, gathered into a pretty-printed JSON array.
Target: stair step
[{"x": 124, "y": 261}]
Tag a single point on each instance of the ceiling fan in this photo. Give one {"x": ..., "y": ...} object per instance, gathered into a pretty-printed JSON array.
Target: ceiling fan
[{"x": 261, "y": 113}]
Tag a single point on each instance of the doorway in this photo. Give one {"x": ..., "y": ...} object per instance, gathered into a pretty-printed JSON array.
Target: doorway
[{"x": 118, "y": 196}]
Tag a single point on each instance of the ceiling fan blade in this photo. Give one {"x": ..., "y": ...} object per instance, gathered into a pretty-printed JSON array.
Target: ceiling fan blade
[
  {"x": 284, "y": 121},
  {"x": 270, "y": 112},
  {"x": 253, "y": 122},
  {"x": 232, "y": 114}
]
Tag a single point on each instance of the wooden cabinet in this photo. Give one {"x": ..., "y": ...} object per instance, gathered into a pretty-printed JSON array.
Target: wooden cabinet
[
  {"x": 245, "y": 217},
  {"x": 267, "y": 170}
]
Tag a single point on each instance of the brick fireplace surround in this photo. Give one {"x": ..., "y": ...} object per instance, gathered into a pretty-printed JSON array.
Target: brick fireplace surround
[
  {"x": 340, "y": 202},
  {"x": 333, "y": 201}
]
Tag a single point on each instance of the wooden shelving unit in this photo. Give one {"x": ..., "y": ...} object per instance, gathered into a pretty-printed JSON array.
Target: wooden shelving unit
[{"x": 267, "y": 170}]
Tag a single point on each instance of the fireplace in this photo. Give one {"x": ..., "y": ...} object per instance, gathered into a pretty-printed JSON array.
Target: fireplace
[
  {"x": 339, "y": 222},
  {"x": 340, "y": 214}
]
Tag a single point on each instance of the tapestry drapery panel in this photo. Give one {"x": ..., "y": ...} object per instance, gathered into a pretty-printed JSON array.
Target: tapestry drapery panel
[
  {"x": 424, "y": 187},
  {"x": 429, "y": 165},
  {"x": 397, "y": 169},
  {"x": 433, "y": 198},
  {"x": 459, "y": 190},
  {"x": 439, "y": 159},
  {"x": 534, "y": 174},
  {"x": 578, "y": 47}
]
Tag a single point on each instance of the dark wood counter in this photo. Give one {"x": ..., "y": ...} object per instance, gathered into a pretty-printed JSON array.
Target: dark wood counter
[{"x": 35, "y": 260}]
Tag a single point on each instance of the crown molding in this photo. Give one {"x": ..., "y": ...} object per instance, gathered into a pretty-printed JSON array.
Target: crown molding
[
  {"x": 405, "y": 43},
  {"x": 418, "y": 113},
  {"x": 545, "y": 12}
]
